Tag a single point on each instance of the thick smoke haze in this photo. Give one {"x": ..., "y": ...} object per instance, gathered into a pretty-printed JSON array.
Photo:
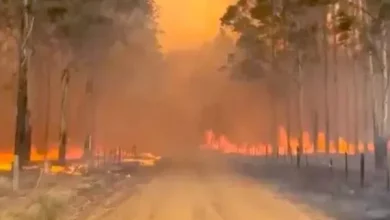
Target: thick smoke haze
[{"x": 161, "y": 102}]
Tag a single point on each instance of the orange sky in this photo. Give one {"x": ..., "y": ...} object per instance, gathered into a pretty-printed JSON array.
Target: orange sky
[{"x": 189, "y": 23}]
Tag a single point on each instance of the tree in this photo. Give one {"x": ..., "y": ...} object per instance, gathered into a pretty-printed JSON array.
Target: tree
[
  {"x": 74, "y": 28},
  {"x": 268, "y": 37},
  {"x": 88, "y": 30}
]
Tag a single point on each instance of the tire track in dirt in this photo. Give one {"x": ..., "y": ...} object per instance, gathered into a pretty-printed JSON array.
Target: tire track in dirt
[{"x": 199, "y": 196}]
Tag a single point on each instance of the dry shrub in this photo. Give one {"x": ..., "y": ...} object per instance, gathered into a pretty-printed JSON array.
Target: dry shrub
[
  {"x": 12, "y": 215},
  {"x": 5, "y": 185},
  {"x": 49, "y": 206}
]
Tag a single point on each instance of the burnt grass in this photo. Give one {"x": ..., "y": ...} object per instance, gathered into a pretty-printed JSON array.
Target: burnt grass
[
  {"x": 89, "y": 191},
  {"x": 314, "y": 184}
]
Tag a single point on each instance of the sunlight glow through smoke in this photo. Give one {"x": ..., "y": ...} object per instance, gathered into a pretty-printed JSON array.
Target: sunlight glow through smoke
[{"x": 188, "y": 24}]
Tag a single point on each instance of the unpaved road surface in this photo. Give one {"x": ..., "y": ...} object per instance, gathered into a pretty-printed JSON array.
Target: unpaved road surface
[{"x": 189, "y": 195}]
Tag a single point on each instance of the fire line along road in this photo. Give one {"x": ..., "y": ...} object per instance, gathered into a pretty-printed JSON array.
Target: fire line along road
[{"x": 207, "y": 194}]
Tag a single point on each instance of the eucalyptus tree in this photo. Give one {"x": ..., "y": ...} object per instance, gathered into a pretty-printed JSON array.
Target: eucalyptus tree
[
  {"x": 269, "y": 35},
  {"x": 83, "y": 32},
  {"x": 89, "y": 29},
  {"x": 17, "y": 19},
  {"x": 370, "y": 44}
]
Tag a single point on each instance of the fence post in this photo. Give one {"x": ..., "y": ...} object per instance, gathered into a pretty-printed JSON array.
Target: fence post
[
  {"x": 117, "y": 155},
  {"x": 362, "y": 169},
  {"x": 96, "y": 156},
  {"x": 105, "y": 157},
  {"x": 16, "y": 173},
  {"x": 331, "y": 165},
  {"x": 299, "y": 157},
  {"x": 346, "y": 165},
  {"x": 387, "y": 178},
  {"x": 120, "y": 155},
  {"x": 306, "y": 159}
]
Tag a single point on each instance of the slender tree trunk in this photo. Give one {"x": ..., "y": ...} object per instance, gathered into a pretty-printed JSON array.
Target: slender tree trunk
[
  {"x": 359, "y": 15},
  {"x": 369, "y": 103},
  {"x": 300, "y": 108},
  {"x": 91, "y": 110},
  {"x": 63, "y": 126},
  {"x": 356, "y": 106},
  {"x": 288, "y": 127},
  {"x": 47, "y": 122},
  {"x": 21, "y": 146},
  {"x": 326, "y": 89},
  {"x": 348, "y": 121},
  {"x": 274, "y": 126},
  {"x": 386, "y": 83},
  {"x": 315, "y": 130},
  {"x": 385, "y": 101},
  {"x": 336, "y": 93}
]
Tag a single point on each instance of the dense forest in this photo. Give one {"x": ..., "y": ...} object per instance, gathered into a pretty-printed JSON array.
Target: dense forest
[
  {"x": 86, "y": 69},
  {"x": 324, "y": 64},
  {"x": 55, "y": 57}
]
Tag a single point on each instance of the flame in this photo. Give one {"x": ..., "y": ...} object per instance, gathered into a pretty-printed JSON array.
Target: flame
[
  {"x": 221, "y": 143},
  {"x": 73, "y": 152}
]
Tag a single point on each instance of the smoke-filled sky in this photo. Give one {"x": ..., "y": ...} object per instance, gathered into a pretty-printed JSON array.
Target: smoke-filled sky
[
  {"x": 162, "y": 106},
  {"x": 188, "y": 24}
]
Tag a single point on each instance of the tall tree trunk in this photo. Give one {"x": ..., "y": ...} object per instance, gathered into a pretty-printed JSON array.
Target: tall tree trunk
[
  {"x": 288, "y": 126},
  {"x": 326, "y": 89},
  {"x": 315, "y": 130},
  {"x": 22, "y": 148},
  {"x": 48, "y": 120},
  {"x": 373, "y": 103},
  {"x": 274, "y": 127},
  {"x": 369, "y": 103},
  {"x": 386, "y": 83},
  {"x": 359, "y": 15},
  {"x": 385, "y": 101},
  {"x": 91, "y": 110},
  {"x": 63, "y": 126},
  {"x": 336, "y": 90},
  {"x": 300, "y": 108},
  {"x": 347, "y": 108},
  {"x": 356, "y": 106}
]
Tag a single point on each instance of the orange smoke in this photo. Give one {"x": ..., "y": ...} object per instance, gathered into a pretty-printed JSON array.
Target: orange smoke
[{"x": 221, "y": 143}]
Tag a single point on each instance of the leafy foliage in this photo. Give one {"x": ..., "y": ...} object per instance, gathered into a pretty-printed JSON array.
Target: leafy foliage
[
  {"x": 384, "y": 11},
  {"x": 268, "y": 33}
]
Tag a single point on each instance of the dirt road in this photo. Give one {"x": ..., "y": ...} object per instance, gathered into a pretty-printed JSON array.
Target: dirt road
[{"x": 189, "y": 195}]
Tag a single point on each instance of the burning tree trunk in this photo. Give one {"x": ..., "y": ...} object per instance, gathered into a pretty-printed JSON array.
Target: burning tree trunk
[
  {"x": 63, "y": 126},
  {"x": 27, "y": 23}
]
